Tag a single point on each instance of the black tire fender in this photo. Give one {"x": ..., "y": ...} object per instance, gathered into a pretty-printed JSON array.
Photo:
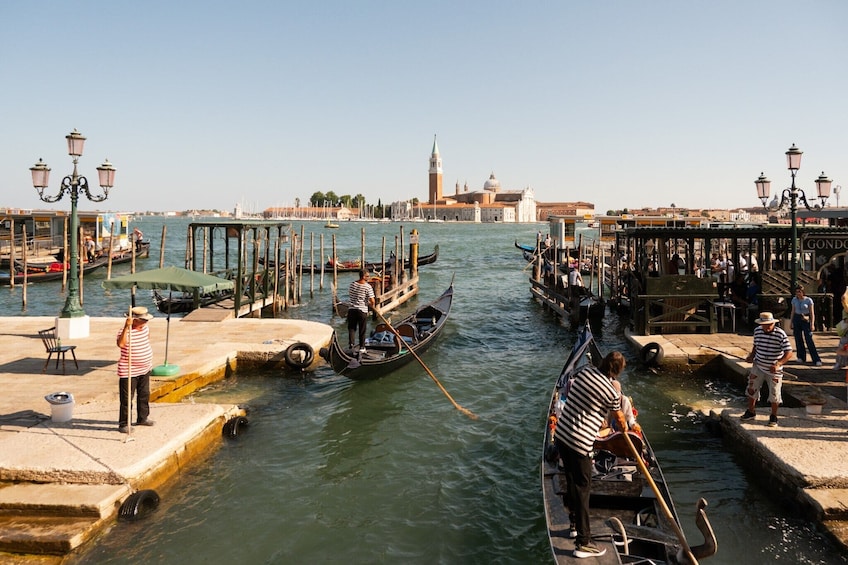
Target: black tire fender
[
  {"x": 299, "y": 361},
  {"x": 138, "y": 505},
  {"x": 652, "y": 354},
  {"x": 234, "y": 426}
]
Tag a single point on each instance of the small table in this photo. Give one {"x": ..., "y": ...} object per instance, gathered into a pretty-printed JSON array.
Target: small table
[{"x": 720, "y": 307}]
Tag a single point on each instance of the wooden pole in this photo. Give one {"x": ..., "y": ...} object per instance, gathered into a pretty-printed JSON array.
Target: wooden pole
[
  {"x": 81, "y": 252},
  {"x": 321, "y": 255},
  {"x": 109, "y": 253},
  {"x": 24, "y": 260},
  {"x": 65, "y": 255},
  {"x": 162, "y": 247},
  {"x": 312, "y": 264},
  {"x": 13, "y": 253}
]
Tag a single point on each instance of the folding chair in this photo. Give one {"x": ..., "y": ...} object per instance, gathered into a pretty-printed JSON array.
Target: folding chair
[{"x": 52, "y": 346}]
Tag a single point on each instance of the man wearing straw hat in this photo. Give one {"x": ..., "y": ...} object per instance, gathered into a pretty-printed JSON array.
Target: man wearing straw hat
[
  {"x": 770, "y": 353},
  {"x": 135, "y": 364}
]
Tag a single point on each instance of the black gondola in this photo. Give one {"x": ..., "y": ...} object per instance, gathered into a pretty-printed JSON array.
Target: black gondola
[
  {"x": 627, "y": 518},
  {"x": 54, "y": 271},
  {"x": 383, "y": 353}
]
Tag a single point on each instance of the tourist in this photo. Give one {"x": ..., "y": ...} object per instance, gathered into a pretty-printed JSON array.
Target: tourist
[
  {"x": 591, "y": 396},
  {"x": 842, "y": 348},
  {"x": 361, "y": 297},
  {"x": 803, "y": 320},
  {"x": 135, "y": 364},
  {"x": 770, "y": 352}
]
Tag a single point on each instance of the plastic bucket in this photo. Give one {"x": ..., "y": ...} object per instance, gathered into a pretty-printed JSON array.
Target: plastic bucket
[{"x": 61, "y": 406}]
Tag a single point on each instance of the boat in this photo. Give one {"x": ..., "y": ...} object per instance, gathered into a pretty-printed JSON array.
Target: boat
[
  {"x": 330, "y": 224},
  {"x": 183, "y": 302},
  {"x": 632, "y": 518},
  {"x": 355, "y": 265},
  {"x": 383, "y": 352},
  {"x": 44, "y": 272}
]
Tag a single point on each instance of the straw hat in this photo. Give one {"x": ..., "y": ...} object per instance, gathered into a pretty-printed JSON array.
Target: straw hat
[
  {"x": 766, "y": 318},
  {"x": 141, "y": 313}
]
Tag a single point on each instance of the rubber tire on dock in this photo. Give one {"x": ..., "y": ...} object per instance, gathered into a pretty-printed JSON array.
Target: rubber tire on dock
[
  {"x": 299, "y": 361},
  {"x": 652, "y": 354},
  {"x": 138, "y": 505},
  {"x": 233, "y": 426}
]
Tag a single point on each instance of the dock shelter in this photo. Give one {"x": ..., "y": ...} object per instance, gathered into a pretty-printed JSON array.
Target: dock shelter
[{"x": 665, "y": 278}]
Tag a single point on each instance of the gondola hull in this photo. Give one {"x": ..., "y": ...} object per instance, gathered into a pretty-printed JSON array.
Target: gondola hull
[
  {"x": 383, "y": 354},
  {"x": 55, "y": 271},
  {"x": 626, "y": 518}
]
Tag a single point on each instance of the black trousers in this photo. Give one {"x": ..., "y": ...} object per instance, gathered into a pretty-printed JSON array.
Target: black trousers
[
  {"x": 578, "y": 474},
  {"x": 139, "y": 386},
  {"x": 357, "y": 321}
]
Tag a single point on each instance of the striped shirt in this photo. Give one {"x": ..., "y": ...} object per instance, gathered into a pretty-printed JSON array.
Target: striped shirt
[
  {"x": 142, "y": 353},
  {"x": 590, "y": 398},
  {"x": 769, "y": 347},
  {"x": 359, "y": 294}
]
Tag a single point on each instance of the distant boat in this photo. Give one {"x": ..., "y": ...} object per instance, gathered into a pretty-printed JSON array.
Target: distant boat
[{"x": 330, "y": 224}]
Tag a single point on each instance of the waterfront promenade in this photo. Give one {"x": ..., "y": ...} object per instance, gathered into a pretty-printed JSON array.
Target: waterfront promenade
[
  {"x": 63, "y": 482},
  {"x": 802, "y": 461}
]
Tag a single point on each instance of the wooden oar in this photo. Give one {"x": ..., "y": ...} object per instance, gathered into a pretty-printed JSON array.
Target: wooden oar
[
  {"x": 465, "y": 411},
  {"x": 644, "y": 469}
]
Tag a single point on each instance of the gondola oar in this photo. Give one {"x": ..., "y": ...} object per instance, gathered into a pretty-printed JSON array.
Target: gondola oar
[
  {"x": 465, "y": 411},
  {"x": 666, "y": 511}
]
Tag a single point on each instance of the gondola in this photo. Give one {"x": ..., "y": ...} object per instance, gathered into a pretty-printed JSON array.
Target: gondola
[
  {"x": 183, "y": 302},
  {"x": 354, "y": 265},
  {"x": 383, "y": 354},
  {"x": 54, "y": 271},
  {"x": 626, "y": 516}
]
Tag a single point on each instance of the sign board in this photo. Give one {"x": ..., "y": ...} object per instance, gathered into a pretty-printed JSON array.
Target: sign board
[{"x": 824, "y": 247}]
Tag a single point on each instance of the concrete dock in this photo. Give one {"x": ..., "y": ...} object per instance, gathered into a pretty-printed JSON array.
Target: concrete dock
[
  {"x": 803, "y": 459},
  {"x": 61, "y": 483}
]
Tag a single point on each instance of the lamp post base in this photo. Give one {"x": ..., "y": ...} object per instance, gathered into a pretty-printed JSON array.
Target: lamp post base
[{"x": 73, "y": 328}]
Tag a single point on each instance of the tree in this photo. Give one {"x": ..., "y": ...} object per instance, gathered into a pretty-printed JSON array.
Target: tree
[
  {"x": 332, "y": 198},
  {"x": 317, "y": 198}
]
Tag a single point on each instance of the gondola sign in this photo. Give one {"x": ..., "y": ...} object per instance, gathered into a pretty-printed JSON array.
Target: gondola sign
[{"x": 824, "y": 246}]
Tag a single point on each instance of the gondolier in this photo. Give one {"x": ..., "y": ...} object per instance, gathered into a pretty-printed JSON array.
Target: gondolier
[
  {"x": 771, "y": 351},
  {"x": 590, "y": 397},
  {"x": 361, "y": 298}
]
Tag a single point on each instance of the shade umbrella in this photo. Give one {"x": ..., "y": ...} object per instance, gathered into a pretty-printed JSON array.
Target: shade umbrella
[{"x": 170, "y": 279}]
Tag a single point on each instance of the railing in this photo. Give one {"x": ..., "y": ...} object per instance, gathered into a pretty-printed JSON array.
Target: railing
[{"x": 674, "y": 312}]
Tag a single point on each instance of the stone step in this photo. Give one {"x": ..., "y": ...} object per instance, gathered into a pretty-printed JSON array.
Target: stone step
[
  {"x": 45, "y": 535},
  {"x": 56, "y": 499}
]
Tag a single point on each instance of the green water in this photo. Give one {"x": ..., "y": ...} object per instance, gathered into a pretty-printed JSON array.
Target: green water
[{"x": 387, "y": 471}]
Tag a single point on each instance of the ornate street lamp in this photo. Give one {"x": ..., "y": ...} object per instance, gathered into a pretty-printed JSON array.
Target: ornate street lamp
[
  {"x": 73, "y": 184},
  {"x": 792, "y": 196}
]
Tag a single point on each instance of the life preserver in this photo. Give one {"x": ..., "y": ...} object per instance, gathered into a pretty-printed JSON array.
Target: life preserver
[
  {"x": 138, "y": 505},
  {"x": 652, "y": 354},
  {"x": 302, "y": 360},
  {"x": 234, "y": 426}
]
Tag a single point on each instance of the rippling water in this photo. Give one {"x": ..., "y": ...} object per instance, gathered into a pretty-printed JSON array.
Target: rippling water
[{"x": 387, "y": 471}]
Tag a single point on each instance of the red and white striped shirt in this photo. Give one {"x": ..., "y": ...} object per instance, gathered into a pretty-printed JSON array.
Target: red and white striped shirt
[{"x": 142, "y": 353}]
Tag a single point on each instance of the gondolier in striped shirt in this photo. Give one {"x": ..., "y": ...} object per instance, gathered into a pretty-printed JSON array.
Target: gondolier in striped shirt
[
  {"x": 135, "y": 363},
  {"x": 361, "y": 297},
  {"x": 770, "y": 353},
  {"x": 591, "y": 396}
]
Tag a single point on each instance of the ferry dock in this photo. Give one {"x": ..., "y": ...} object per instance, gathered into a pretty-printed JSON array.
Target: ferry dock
[{"x": 63, "y": 482}]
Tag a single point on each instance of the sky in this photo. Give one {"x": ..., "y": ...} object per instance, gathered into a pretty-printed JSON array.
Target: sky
[{"x": 206, "y": 105}]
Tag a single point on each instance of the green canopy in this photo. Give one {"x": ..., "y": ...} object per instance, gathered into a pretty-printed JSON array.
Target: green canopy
[{"x": 171, "y": 278}]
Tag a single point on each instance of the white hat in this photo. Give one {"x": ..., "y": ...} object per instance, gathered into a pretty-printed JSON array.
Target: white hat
[
  {"x": 141, "y": 313},
  {"x": 766, "y": 318}
]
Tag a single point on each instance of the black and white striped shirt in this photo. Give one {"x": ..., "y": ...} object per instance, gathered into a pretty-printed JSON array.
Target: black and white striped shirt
[
  {"x": 769, "y": 347},
  {"x": 359, "y": 295},
  {"x": 590, "y": 397}
]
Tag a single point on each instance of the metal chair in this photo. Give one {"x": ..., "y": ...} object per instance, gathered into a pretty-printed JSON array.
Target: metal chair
[{"x": 52, "y": 345}]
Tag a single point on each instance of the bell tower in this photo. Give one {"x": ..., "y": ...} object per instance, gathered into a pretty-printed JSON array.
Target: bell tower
[{"x": 435, "y": 174}]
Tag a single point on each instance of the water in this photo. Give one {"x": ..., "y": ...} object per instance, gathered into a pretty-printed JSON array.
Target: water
[{"x": 388, "y": 471}]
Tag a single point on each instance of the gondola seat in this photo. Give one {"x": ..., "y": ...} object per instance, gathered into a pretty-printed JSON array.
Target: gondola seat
[{"x": 52, "y": 345}]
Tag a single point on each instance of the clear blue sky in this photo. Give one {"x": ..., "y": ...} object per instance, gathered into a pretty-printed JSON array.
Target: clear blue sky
[{"x": 620, "y": 103}]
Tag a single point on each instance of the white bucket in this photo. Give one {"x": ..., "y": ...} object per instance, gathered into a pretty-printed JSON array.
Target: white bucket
[
  {"x": 61, "y": 406},
  {"x": 814, "y": 408}
]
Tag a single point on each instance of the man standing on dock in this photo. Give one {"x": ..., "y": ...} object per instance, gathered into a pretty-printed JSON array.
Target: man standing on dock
[
  {"x": 770, "y": 353},
  {"x": 135, "y": 364},
  {"x": 361, "y": 297}
]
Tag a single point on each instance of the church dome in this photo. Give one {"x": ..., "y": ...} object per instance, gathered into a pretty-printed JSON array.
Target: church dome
[{"x": 492, "y": 184}]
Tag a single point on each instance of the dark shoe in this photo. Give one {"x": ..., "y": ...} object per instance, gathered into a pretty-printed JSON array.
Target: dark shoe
[
  {"x": 145, "y": 423},
  {"x": 748, "y": 415},
  {"x": 773, "y": 421},
  {"x": 582, "y": 551},
  {"x": 123, "y": 429}
]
